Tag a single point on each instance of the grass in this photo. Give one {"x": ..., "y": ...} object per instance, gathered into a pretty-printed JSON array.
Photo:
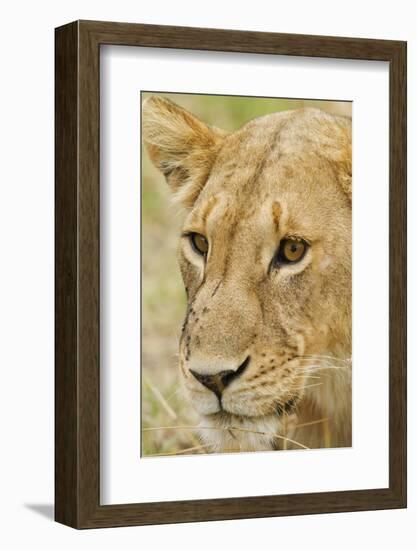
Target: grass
[{"x": 163, "y": 408}]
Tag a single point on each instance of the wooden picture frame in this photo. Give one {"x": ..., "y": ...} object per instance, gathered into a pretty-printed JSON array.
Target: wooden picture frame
[{"x": 77, "y": 374}]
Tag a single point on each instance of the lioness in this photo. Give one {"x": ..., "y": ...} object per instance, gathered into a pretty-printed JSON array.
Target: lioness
[{"x": 265, "y": 255}]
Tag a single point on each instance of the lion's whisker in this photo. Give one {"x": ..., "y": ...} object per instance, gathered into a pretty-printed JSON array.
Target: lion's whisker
[
  {"x": 321, "y": 359},
  {"x": 329, "y": 357},
  {"x": 321, "y": 367}
]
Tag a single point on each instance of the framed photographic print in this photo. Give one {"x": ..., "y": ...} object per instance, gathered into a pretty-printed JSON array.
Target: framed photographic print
[{"x": 230, "y": 274}]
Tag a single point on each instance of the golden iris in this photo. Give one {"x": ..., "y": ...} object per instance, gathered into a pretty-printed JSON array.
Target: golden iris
[
  {"x": 291, "y": 250},
  {"x": 199, "y": 243}
]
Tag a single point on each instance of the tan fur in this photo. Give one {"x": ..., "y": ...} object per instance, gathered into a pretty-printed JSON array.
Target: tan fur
[{"x": 283, "y": 175}]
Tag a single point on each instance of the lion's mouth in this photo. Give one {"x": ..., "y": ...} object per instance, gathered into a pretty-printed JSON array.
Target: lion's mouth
[
  {"x": 225, "y": 416},
  {"x": 228, "y": 432}
]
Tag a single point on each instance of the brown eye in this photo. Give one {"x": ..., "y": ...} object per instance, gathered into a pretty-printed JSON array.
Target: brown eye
[
  {"x": 199, "y": 243},
  {"x": 291, "y": 251}
]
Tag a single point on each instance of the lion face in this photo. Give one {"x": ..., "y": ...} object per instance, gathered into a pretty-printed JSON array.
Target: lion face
[{"x": 265, "y": 255}]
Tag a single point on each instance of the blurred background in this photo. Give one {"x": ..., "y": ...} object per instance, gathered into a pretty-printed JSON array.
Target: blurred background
[{"x": 166, "y": 415}]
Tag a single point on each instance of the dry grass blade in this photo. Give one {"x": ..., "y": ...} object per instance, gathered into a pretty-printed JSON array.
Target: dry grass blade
[
  {"x": 181, "y": 452},
  {"x": 312, "y": 423},
  {"x": 229, "y": 428},
  {"x": 173, "y": 394},
  {"x": 158, "y": 395}
]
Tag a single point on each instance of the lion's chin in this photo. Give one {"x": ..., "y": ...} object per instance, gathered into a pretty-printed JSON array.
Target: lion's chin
[{"x": 225, "y": 432}]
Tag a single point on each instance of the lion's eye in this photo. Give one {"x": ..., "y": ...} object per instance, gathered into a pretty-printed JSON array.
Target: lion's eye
[
  {"x": 291, "y": 251},
  {"x": 199, "y": 243}
]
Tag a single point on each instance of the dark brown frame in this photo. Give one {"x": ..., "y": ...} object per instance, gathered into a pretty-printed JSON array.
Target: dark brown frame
[{"x": 77, "y": 373}]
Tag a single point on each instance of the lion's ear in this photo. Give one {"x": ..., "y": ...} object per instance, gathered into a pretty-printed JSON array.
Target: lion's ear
[{"x": 181, "y": 146}]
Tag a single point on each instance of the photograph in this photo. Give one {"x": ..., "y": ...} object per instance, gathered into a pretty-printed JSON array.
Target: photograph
[{"x": 246, "y": 274}]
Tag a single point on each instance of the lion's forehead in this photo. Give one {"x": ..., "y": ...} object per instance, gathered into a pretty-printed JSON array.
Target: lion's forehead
[
  {"x": 272, "y": 159},
  {"x": 275, "y": 207}
]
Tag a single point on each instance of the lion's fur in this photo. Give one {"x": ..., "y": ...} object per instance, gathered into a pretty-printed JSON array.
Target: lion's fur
[{"x": 284, "y": 174}]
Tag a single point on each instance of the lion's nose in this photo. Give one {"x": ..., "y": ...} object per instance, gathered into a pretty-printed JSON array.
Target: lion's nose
[{"x": 219, "y": 381}]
